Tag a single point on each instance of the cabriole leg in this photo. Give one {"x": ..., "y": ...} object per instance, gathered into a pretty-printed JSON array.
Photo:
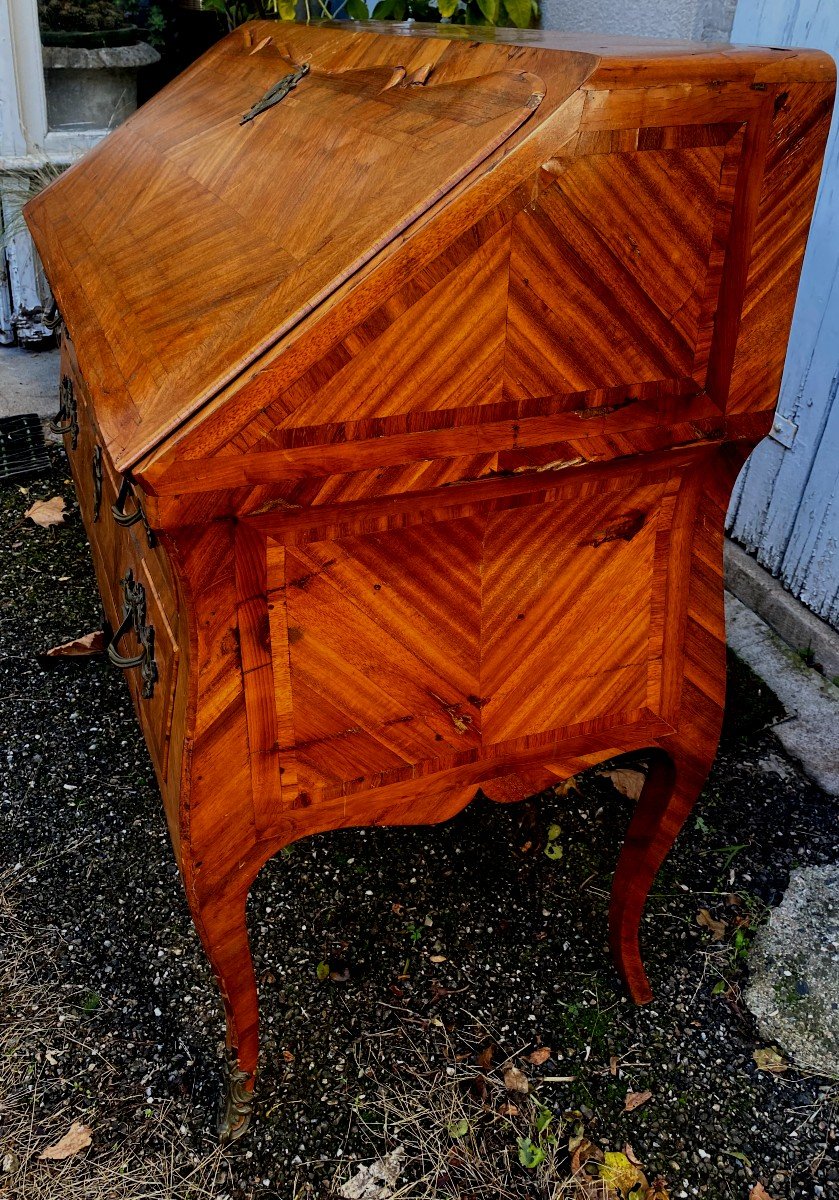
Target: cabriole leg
[
  {"x": 670, "y": 792},
  {"x": 221, "y": 921}
]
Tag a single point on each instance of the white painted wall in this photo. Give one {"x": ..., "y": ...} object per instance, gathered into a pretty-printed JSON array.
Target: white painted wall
[
  {"x": 786, "y": 507},
  {"x": 709, "y": 20}
]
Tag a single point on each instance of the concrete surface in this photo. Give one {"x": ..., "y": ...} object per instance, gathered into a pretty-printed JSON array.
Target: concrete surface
[
  {"x": 811, "y": 734},
  {"x": 763, "y": 594},
  {"x": 709, "y": 20},
  {"x": 28, "y": 382},
  {"x": 794, "y": 987},
  {"x": 92, "y": 89}
]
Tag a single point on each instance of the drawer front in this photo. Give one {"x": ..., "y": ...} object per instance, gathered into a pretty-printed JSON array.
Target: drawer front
[
  {"x": 131, "y": 572},
  {"x": 147, "y": 636}
]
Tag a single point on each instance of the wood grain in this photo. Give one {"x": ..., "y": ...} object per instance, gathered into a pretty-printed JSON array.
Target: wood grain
[{"x": 434, "y": 425}]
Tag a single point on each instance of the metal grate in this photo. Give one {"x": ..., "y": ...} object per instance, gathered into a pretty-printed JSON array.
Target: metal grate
[{"x": 22, "y": 447}]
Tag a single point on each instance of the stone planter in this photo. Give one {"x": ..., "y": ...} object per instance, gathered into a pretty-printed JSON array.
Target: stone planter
[{"x": 88, "y": 89}]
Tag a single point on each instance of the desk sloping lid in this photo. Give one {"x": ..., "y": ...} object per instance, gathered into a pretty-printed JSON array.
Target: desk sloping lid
[{"x": 187, "y": 243}]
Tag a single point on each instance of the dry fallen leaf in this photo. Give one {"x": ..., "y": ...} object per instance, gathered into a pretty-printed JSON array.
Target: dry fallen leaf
[
  {"x": 622, "y": 1177},
  {"x": 658, "y": 1190},
  {"x": 374, "y": 1181},
  {"x": 759, "y": 1192},
  {"x": 627, "y": 781},
  {"x": 769, "y": 1059},
  {"x": 635, "y": 1100},
  {"x": 583, "y": 1151},
  {"x": 485, "y": 1057},
  {"x": 539, "y": 1056},
  {"x": 83, "y": 647},
  {"x": 508, "y": 1110},
  {"x": 515, "y": 1080},
  {"x": 47, "y": 512},
  {"x": 718, "y": 928},
  {"x": 631, "y": 1155},
  {"x": 77, "y": 1138},
  {"x": 567, "y": 785}
]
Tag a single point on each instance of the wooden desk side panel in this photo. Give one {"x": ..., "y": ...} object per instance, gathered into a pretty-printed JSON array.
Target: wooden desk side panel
[{"x": 338, "y": 660}]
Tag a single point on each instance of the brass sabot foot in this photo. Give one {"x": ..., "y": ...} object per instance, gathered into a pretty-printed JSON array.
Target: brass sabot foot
[{"x": 236, "y": 1107}]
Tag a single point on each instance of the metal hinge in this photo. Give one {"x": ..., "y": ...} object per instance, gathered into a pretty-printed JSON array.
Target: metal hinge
[{"x": 783, "y": 430}]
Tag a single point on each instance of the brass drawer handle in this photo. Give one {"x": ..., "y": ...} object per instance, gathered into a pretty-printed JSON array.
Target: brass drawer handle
[
  {"x": 134, "y": 617},
  {"x": 66, "y": 420},
  {"x": 128, "y": 519}
]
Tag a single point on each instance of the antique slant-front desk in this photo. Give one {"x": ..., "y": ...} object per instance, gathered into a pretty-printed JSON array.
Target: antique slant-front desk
[{"x": 406, "y": 375}]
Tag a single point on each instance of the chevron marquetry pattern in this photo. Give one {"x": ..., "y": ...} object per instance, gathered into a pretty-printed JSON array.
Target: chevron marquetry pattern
[
  {"x": 569, "y": 329},
  {"x": 417, "y": 650}
]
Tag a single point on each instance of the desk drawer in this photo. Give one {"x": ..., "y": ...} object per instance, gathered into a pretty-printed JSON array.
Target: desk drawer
[{"x": 132, "y": 570}]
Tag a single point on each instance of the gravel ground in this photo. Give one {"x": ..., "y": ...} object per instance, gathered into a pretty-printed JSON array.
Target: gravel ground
[{"x": 439, "y": 940}]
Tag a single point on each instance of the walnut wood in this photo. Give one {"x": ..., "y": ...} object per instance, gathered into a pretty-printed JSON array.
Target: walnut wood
[{"x": 432, "y": 381}]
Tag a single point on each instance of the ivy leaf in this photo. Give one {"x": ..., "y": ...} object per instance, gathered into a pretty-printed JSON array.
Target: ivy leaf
[
  {"x": 519, "y": 12},
  {"x": 491, "y": 10},
  {"x": 357, "y": 10},
  {"x": 447, "y": 7},
  {"x": 459, "y": 1129},
  {"x": 530, "y": 1155},
  {"x": 287, "y": 9}
]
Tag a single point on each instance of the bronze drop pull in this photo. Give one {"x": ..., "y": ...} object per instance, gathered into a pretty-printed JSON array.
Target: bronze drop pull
[
  {"x": 134, "y": 617},
  {"x": 96, "y": 471},
  {"x": 127, "y": 519},
  {"x": 66, "y": 420}
]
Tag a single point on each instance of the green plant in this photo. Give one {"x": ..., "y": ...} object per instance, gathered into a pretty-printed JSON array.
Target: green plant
[
  {"x": 520, "y": 13},
  {"x": 91, "y": 15},
  {"x": 156, "y": 27},
  {"x": 807, "y": 655}
]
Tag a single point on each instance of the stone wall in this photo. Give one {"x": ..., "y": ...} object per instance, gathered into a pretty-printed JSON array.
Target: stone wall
[{"x": 707, "y": 19}]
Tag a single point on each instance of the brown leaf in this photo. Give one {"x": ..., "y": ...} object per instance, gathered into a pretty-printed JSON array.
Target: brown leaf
[
  {"x": 583, "y": 1151},
  {"x": 635, "y": 1100},
  {"x": 508, "y": 1110},
  {"x": 539, "y": 1056},
  {"x": 47, "y": 512},
  {"x": 759, "y": 1192},
  {"x": 515, "y": 1080},
  {"x": 613, "y": 1065},
  {"x": 658, "y": 1190},
  {"x": 83, "y": 647},
  {"x": 631, "y": 1155},
  {"x": 718, "y": 928},
  {"x": 567, "y": 785},
  {"x": 769, "y": 1059},
  {"x": 485, "y": 1057},
  {"x": 627, "y": 781},
  {"x": 77, "y": 1138}
]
